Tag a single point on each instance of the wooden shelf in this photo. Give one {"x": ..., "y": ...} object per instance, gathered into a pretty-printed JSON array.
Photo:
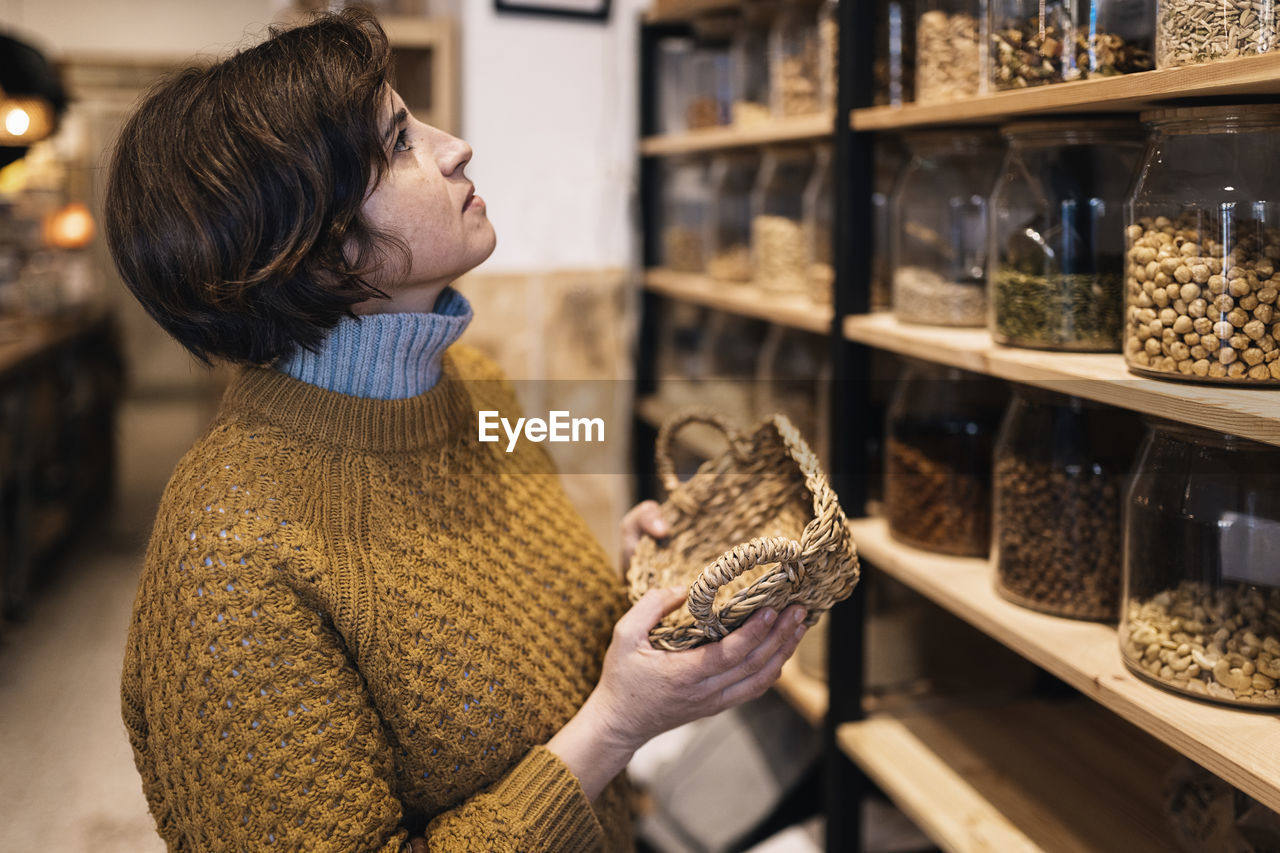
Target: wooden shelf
[
  {"x": 1249, "y": 76},
  {"x": 1248, "y": 412},
  {"x": 1241, "y": 746},
  {"x": 808, "y": 695},
  {"x": 796, "y": 129},
  {"x": 685, "y": 10},
  {"x": 797, "y": 312},
  {"x": 1022, "y": 777}
]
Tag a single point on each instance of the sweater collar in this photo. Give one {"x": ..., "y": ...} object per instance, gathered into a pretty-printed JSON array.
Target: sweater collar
[
  {"x": 309, "y": 412},
  {"x": 384, "y": 356}
]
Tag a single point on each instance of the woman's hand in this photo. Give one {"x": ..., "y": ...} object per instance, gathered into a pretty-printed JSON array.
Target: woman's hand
[
  {"x": 644, "y": 517},
  {"x": 643, "y": 692}
]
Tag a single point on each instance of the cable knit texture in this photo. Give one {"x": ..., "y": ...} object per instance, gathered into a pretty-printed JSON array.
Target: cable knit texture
[{"x": 358, "y": 623}]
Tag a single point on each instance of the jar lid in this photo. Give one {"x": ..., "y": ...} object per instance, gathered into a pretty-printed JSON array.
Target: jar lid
[{"x": 1253, "y": 113}]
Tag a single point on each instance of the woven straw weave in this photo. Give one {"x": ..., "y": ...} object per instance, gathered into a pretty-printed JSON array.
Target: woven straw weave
[{"x": 757, "y": 526}]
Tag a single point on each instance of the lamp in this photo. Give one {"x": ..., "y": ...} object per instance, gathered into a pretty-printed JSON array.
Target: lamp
[{"x": 31, "y": 98}]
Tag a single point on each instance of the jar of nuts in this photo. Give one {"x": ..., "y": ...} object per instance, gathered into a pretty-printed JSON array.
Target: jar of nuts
[
  {"x": 795, "y": 60},
  {"x": 939, "y": 435},
  {"x": 779, "y": 253},
  {"x": 951, "y": 49},
  {"x": 733, "y": 177},
  {"x": 1060, "y": 476},
  {"x": 685, "y": 214},
  {"x": 749, "y": 61},
  {"x": 819, "y": 213},
  {"x": 1035, "y": 42},
  {"x": 710, "y": 99},
  {"x": 939, "y": 236},
  {"x": 1203, "y": 246},
  {"x": 1201, "y": 608},
  {"x": 1194, "y": 31},
  {"x": 1057, "y": 231}
]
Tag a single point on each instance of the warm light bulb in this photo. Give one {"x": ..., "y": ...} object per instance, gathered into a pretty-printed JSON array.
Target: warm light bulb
[
  {"x": 69, "y": 228},
  {"x": 17, "y": 122}
]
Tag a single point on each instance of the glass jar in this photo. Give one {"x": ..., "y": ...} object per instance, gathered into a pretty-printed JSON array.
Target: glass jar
[
  {"x": 939, "y": 235},
  {"x": 1201, "y": 608},
  {"x": 890, "y": 160},
  {"x": 749, "y": 57},
  {"x": 1194, "y": 31},
  {"x": 779, "y": 255},
  {"x": 940, "y": 433},
  {"x": 733, "y": 177},
  {"x": 794, "y": 60},
  {"x": 711, "y": 98},
  {"x": 1203, "y": 240},
  {"x": 819, "y": 213},
  {"x": 894, "y": 69},
  {"x": 1034, "y": 42},
  {"x": 951, "y": 49},
  {"x": 829, "y": 53},
  {"x": 1061, "y": 469},
  {"x": 1057, "y": 234},
  {"x": 685, "y": 213},
  {"x": 674, "y": 73}
]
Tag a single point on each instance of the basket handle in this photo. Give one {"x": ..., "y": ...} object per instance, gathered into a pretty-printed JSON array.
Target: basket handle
[
  {"x": 766, "y": 549},
  {"x": 677, "y": 422}
]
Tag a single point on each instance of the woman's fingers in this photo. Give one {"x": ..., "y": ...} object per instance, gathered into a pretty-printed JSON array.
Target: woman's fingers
[
  {"x": 757, "y": 683},
  {"x": 636, "y": 623},
  {"x": 761, "y": 653},
  {"x": 651, "y": 520}
]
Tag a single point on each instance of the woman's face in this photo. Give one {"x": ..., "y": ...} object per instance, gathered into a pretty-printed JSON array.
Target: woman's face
[{"x": 425, "y": 199}]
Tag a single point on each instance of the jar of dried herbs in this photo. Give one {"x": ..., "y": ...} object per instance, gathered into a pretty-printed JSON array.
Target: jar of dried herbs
[
  {"x": 1057, "y": 232},
  {"x": 1036, "y": 42}
]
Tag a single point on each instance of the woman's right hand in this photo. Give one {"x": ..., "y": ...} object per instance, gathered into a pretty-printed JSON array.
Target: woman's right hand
[{"x": 644, "y": 692}]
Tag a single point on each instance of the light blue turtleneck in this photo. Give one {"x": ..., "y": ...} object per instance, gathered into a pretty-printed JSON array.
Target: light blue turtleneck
[{"x": 384, "y": 356}]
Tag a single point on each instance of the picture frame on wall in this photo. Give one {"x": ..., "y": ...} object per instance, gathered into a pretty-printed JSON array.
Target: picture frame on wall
[{"x": 583, "y": 10}]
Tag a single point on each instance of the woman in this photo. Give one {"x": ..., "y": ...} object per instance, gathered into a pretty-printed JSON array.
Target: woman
[{"x": 358, "y": 626}]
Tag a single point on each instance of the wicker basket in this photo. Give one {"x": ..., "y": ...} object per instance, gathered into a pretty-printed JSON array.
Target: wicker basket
[{"x": 757, "y": 526}]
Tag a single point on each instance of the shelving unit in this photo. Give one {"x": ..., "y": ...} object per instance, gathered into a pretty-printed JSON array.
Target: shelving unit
[{"x": 1023, "y": 776}]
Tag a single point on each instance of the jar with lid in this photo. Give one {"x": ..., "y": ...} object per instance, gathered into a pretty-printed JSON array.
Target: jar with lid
[
  {"x": 1203, "y": 244},
  {"x": 794, "y": 62},
  {"x": 1194, "y": 31},
  {"x": 685, "y": 214},
  {"x": 793, "y": 369},
  {"x": 675, "y": 70},
  {"x": 890, "y": 160},
  {"x": 778, "y": 251},
  {"x": 828, "y": 53},
  {"x": 711, "y": 97},
  {"x": 940, "y": 434},
  {"x": 1201, "y": 608},
  {"x": 951, "y": 49},
  {"x": 749, "y": 60},
  {"x": 819, "y": 213},
  {"x": 1034, "y": 42},
  {"x": 1057, "y": 234},
  {"x": 894, "y": 68},
  {"x": 1061, "y": 472},
  {"x": 939, "y": 236},
  {"x": 733, "y": 178}
]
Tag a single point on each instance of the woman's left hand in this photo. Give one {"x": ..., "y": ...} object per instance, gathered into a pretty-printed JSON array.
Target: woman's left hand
[{"x": 644, "y": 517}]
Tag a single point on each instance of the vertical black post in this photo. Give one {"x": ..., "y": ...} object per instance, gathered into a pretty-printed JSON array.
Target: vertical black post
[{"x": 845, "y": 785}]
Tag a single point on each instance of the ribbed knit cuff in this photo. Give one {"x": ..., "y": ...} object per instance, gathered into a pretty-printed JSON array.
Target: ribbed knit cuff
[{"x": 557, "y": 814}]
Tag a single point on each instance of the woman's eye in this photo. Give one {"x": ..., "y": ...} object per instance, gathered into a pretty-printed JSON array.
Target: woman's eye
[{"x": 402, "y": 141}]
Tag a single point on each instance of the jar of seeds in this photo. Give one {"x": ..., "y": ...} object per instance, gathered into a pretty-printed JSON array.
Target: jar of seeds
[
  {"x": 1057, "y": 233},
  {"x": 939, "y": 234},
  {"x": 819, "y": 213},
  {"x": 795, "y": 59},
  {"x": 939, "y": 434},
  {"x": 1061, "y": 469},
  {"x": 733, "y": 177},
  {"x": 1194, "y": 31},
  {"x": 710, "y": 99},
  {"x": 685, "y": 214},
  {"x": 1035, "y": 42},
  {"x": 779, "y": 251},
  {"x": 894, "y": 68},
  {"x": 749, "y": 63},
  {"x": 1203, "y": 245},
  {"x": 1201, "y": 608},
  {"x": 951, "y": 49}
]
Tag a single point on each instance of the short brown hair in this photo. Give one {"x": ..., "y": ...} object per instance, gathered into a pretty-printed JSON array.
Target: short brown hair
[{"x": 233, "y": 205}]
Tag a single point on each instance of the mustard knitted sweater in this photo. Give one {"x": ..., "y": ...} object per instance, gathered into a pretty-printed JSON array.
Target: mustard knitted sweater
[{"x": 358, "y": 623}]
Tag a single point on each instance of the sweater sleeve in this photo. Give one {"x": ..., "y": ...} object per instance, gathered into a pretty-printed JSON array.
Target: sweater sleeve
[{"x": 253, "y": 729}]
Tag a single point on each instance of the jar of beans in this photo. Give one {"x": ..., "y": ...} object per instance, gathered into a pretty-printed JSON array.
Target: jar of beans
[
  {"x": 939, "y": 434},
  {"x": 732, "y": 180},
  {"x": 1057, "y": 259},
  {"x": 1060, "y": 476},
  {"x": 1201, "y": 608},
  {"x": 939, "y": 236},
  {"x": 795, "y": 60},
  {"x": 684, "y": 214},
  {"x": 1203, "y": 247},
  {"x": 779, "y": 251},
  {"x": 951, "y": 46},
  {"x": 1037, "y": 42}
]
